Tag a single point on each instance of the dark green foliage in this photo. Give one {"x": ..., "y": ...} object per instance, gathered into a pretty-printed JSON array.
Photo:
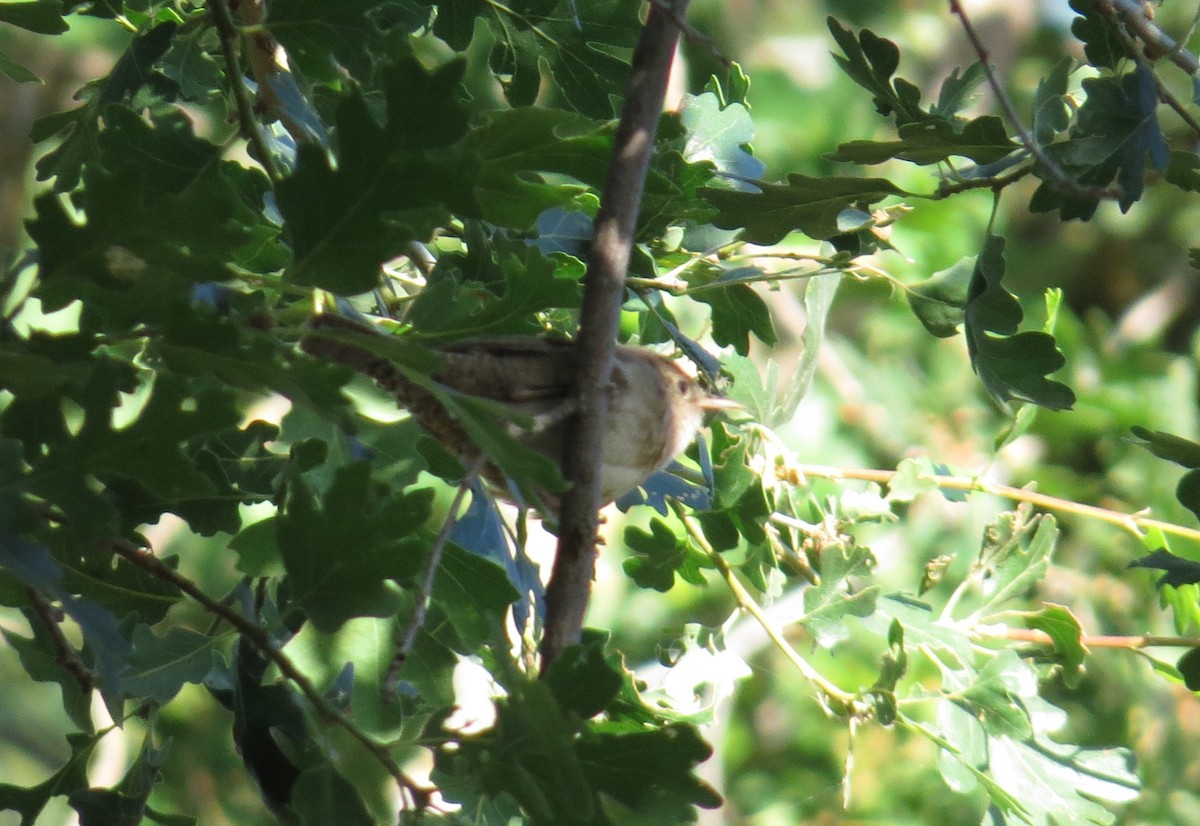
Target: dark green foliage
[
  {"x": 1011, "y": 364},
  {"x": 215, "y": 530}
]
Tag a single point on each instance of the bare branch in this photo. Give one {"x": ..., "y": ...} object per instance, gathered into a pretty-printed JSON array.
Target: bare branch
[{"x": 604, "y": 289}]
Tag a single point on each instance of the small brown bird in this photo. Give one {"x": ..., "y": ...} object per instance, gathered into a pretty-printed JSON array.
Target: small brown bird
[{"x": 655, "y": 408}]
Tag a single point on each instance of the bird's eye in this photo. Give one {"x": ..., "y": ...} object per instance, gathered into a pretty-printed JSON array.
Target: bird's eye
[{"x": 683, "y": 386}]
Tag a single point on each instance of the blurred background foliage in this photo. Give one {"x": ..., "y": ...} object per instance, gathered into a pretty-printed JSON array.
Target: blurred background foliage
[{"x": 884, "y": 390}]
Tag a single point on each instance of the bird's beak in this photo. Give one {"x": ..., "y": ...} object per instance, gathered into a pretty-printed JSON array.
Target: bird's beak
[{"x": 720, "y": 403}]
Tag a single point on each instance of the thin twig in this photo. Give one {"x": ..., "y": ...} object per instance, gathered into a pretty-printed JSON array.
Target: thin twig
[
  {"x": 408, "y": 635},
  {"x": 948, "y": 187},
  {"x": 570, "y": 583},
  {"x": 227, "y": 31},
  {"x": 260, "y": 639},
  {"x": 1134, "y": 523},
  {"x": 1158, "y": 43},
  {"x": 1164, "y": 94},
  {"x": 1048, "y": 165},
  {"x": 66, "y": 656}
]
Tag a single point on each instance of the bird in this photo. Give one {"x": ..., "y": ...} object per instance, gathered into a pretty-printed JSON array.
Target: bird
[{"x": 655, "y": 407}]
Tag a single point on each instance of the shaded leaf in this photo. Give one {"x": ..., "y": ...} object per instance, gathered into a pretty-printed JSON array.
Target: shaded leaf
[
  {"x": 939, "y": 302},
  {"x": 159, "y": 666},
  {"x": 983, "y": 140},
  {"x": 660, "y": 555},
  {"x": 810, "y": 205},
  {"x": 1011, "y": 365},
  {"x": 41, "y": 16},
  {"x": 29, "y": 802},
  {"x": 1177, "y": 570},
  {"x": 389, "y": 186},
  {"x": 341, "y": 551}
]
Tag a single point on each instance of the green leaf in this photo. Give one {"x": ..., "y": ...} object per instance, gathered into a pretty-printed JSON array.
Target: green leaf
[
  {"x": 737, "y": 311},
  {"x": 143, "y": 460},
  {"x": 447, "y": 308},
  {"x": 720, "y": 134},
  {"x": 124, "y": 804},
  {"x": 659, "y": 555},
  {"x": 540, "y": 768},
  {"x": 1061, "y": 784},
  {"x": 1114, "y": 131},
  {"x": 15, "y": 71},
  {"x": 1104, "y": 43},
  {"x": 43, "y": 662},
  {"x": 583, "y": 680},
  {"x": 1050, "y": 115},
  {"x": 160, "y": 666},
  {"x": 41, "y": 16},
  {"x": 993, "y": 696},
  {"x": 1065, "y": 636},
  {"x": 892, "y": 667},
  {"x": 583, "y": 50},
  {"x": 521, "y": 155},
  {"x": 939, "y": 302},
  {"x": 983, "y": 140},
  {"x": 1011, "y": 365},
  {"x": 123, "y": 588},
  {"x": 870, "y": 61},
  {"x": 163, "y": 211},
  {"x": 913, "y": 478},
  {"x": 389, "y": 185},
  {"x": 827, "y": 605},
  {"x": 1016, "y": 554},
  {"x": 475, "y": 593},
  {"x": 322, "y": 39},
  {"x": 1182, "y": 452},
  {"x": 650, "y": 772},
  {"x": 810, "y": 205},
  {"x": 1189, "y": 669},
  {"x": 957, "y": 91},
  {"x": 341, "y": 551}
]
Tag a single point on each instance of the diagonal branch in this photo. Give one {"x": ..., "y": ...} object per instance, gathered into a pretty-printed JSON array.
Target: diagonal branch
[
  {"x": 603, "y": 293},
  {"x": 417, "y": 794}
]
